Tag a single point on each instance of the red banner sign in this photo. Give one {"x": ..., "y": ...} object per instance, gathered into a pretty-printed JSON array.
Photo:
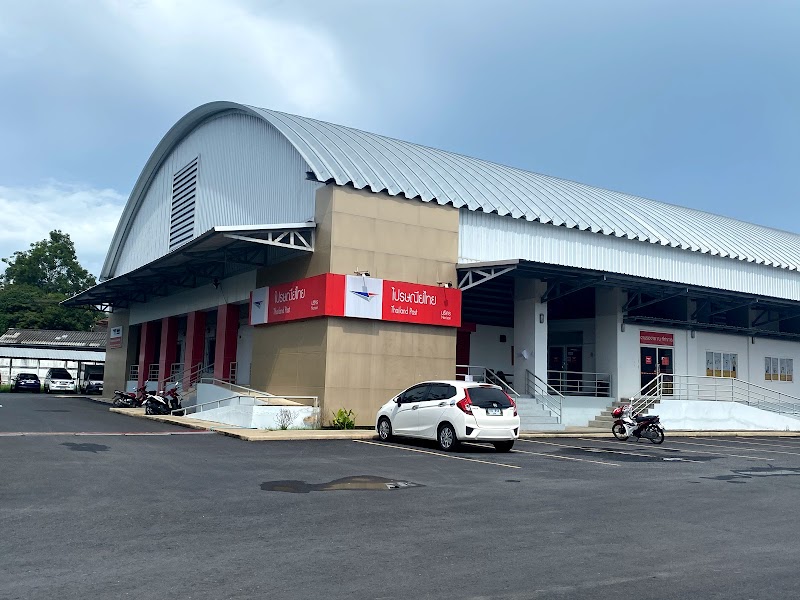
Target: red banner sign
[
  {"x": 652, "y": 338},
  {"x": 356, "y": 296}
]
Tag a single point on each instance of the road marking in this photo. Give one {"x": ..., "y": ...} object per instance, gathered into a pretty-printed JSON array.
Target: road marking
[
  {"x": 475, "y": 460},
  {"x": 590, "y": 449},
  {"x": 753, "y": 449},
  {"x": 98, "y": 433},
  {"x": 713, "y": 453},
  {"x": 700, "y": 439},
  {"x": 555, "y": 456},
  {"x": 648, "y": 448}
]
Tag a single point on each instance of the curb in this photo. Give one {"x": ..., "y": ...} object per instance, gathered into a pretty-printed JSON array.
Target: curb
[{"x": 258, "y": 435}]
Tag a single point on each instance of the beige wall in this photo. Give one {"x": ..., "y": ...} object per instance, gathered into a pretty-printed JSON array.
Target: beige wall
[
  {"x": 353, "y": 363},
  {"x": 119, "y": 359}
]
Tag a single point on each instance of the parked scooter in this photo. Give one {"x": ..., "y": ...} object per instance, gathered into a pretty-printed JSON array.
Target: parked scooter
[
  {"x": 638, "y": 426},
  {"x": 129, "y": 399},
  {"x": 162, "y": 402}
]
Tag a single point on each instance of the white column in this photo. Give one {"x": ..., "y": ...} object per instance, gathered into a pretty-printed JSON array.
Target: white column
[
  {"x": 530, "y": 331},
  {"x": 608, "y": 325}
]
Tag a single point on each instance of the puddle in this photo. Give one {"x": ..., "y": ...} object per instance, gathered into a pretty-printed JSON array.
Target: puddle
[
  {"x": 357, "y": 482},
  {"x": 738, "y": 475},
  {"x": 93, "y": 448}
]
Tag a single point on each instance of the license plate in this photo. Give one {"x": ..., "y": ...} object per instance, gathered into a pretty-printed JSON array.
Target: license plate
[{"x": 494, "y": 412}]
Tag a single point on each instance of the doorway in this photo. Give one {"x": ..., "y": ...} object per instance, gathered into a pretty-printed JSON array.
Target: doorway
[
  {"x": 656, "y": 361},
  {"x": 564, "y": 368}
]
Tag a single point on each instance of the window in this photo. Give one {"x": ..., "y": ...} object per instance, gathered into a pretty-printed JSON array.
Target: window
[
  {"x": 441, "y": 391},
  {"x": 722, "y": 364},
  {"x": 484, "y": 397},
  {"x": 184, "y": 192},
  {"x": 778, "y": 369},
  {"x": 415, "y": 394}
]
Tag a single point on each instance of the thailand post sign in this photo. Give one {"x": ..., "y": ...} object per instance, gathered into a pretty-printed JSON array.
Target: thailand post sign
[
  {"x": 115, "y": 337},
  {"x": 357, "y": 297},
  {"x": 302, "y": 299},
  {"x": 652, "y": 338}
]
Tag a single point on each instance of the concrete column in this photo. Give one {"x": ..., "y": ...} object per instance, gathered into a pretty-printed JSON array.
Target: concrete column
[
  {"x": 169, "y": 345},
  {"x": 530, "y": 331},
  {"x": 119, "y": 360},
  {"x": 608, "y": 329},
  {"x": 227, "y": 336},
  {"x": 147, "y": 349},
  {"x": 195, "y": 344}
]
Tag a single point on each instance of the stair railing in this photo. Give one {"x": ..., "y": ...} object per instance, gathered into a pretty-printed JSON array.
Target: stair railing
[
  {"x": 484, "y": 375},
  {"x": 544, "y": 393}
]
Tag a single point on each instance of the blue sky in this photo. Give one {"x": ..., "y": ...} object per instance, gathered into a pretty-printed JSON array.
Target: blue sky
[{"x": 692, "y": 103}]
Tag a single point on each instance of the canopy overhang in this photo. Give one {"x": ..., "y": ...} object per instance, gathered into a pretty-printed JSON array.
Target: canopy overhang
[{"x": 218, "y": 253}]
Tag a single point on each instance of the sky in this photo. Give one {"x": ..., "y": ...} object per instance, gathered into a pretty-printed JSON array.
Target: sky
[{"x": 694, "y": 103}]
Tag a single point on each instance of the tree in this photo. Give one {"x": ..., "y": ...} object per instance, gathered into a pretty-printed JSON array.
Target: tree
[
  {"x": 50, "y": 265},
  {"x": 35, "y": 283}
]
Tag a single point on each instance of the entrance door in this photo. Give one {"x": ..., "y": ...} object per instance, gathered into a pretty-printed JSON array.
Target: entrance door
[
  {"x": 665, "y": 368},
  {"x": 555, "y": 366},
  {"x": 649, "y": 366},
  {"x": 574, "y": 369}
]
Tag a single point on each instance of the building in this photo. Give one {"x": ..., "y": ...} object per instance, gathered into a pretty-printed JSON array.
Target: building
[
  {"x": 37, "y": 350},
  {"x": 310, "y": 259}
]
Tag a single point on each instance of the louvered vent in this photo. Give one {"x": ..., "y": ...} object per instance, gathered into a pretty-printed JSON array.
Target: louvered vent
[{"x": 181, "y": 218}]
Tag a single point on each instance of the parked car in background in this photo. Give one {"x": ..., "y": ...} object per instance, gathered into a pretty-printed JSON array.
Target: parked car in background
[
  {"x": 58, "y": 380},
  {"x": 451, "y": 412},
  {"x": 26, "y": 382},
  {"x": 91, "y": 383}
]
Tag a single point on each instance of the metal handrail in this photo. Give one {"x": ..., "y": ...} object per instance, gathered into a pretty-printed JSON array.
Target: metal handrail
[
  {"x": 585, "y": 383},
  {"x": 256, "y": 401},
  {"x": 544, "y": 394},
  {"x": 721, "y": 389},
  {"x": 486, "y": 375},
  {"x": 194, "y": 407},
  {"x": 227, "y": 384}
]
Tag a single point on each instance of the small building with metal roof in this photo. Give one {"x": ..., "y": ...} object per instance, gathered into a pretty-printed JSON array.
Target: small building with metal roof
[{"x": 251, "y": 233}]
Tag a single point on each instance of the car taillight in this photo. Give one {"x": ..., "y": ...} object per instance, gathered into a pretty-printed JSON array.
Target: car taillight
[
  {"x": 514, "y": 404},
  {"x": 465, "y": 404}
]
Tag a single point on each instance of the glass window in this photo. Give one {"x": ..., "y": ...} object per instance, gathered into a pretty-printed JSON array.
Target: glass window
[
  {"x": 441, "y": 391},
  {"x": 415, "y": 394},
  {"x": 485, "y": 397}
]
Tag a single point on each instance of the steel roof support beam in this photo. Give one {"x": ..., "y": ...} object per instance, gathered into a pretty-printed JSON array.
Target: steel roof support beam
[
  {"x": 475, "y": 277},
  {"x": 555, "y": 292},
  {"x": 629, "y": 306},
  {"x": 298, "y": 240}
]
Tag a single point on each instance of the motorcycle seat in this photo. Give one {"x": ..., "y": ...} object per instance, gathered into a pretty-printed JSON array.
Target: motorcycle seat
[{"x": 640, "y": 419}]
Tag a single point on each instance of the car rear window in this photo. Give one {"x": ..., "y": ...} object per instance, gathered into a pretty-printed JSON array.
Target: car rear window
[
  {"x": 484, "y": 397},
  {"x": 60, "y": 374},
  {"x": 27, "y": 376}
]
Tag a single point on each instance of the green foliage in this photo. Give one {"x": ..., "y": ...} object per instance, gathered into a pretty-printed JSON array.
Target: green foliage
[
  {"x": 37, "y": 280},
  {"x": 344, "y": 419}
]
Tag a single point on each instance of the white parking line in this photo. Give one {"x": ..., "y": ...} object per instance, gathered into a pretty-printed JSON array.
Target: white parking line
[
  {"x": 589, "y": 449},
  {"x": 555, "y": 456},
  {"x": 714, "y": 453},
  {"x": 475, "y": 460},
  {"x": 747, "y": 441},
  {"x": 751, "y": 449},
  {"x": 645, "y": 448}
]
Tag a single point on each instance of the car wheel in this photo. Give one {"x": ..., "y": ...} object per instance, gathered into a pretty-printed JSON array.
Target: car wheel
[
  {"x": 504, "y": 446},
  {"x": 384, "y": 429},
  {"x": 447, "y": 437}
]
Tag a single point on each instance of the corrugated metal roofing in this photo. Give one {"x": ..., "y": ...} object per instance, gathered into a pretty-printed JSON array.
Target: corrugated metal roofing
[
  {"x": 52, "y": 354},
  {"x": 54, "y": 338},
  {"x": 367, "y": 160}
]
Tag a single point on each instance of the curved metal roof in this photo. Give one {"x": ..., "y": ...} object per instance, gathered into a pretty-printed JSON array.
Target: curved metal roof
[{"x": 368, "y": 161}]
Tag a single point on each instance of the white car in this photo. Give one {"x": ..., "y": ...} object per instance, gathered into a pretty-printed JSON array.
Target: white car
[
  {"x": 451, "y": 412},
  {"x": 58, "y": 380}
]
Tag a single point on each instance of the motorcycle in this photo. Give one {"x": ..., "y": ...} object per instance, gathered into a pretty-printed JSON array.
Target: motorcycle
[
  {"x": 628, "y": 424},
  {"x": 129, "y": 399},
  {"x": 162, "y": 402}
]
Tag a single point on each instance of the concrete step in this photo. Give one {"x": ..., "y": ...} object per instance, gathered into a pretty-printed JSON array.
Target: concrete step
[
  {"x": 525, "y": 421},
  {"x": 542, "y": 427}
]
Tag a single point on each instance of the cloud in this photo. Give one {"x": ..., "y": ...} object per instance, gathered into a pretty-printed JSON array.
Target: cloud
[{"x": 88, "y": 215}]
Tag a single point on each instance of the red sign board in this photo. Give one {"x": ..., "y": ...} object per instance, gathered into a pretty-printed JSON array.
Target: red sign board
[
  {"x": 425, "y": 304},
  {"x": 652, "y": 338},
  {"x": 648, "y": 360},
  {"x": 355, "y": 296},
  {"x": 114, "y": 338},
  {"x": 665, "y": 361}
]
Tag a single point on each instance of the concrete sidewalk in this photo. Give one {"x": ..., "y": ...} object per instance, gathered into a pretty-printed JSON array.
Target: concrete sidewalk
[{"x": 265, "y": 435}]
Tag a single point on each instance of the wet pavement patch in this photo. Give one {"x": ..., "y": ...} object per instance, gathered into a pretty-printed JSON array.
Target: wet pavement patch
[
  {"x": 357, "y": 482},
  {"x": 52, "y": 410},
  {"x": 93, "y": 448},
  {"x": 737, "y": 476}
]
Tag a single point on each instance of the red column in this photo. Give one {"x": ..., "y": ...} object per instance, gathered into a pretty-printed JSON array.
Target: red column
[
  {"x": 147, "y": 349},
  {"x": 195, "y": 345},
  {"x": 227, "y": 336},
  {"x": 169, "y": 346}
]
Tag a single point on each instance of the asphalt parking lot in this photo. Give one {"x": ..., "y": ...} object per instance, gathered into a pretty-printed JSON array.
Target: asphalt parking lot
[{"x": 99, "y": 505}]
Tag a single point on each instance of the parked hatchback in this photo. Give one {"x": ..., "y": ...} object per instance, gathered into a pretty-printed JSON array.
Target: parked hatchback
[
  {"x": 26, "y": 382},
  {"x": 58, "y": 380},
  {"x": 451, "y": 412}
]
